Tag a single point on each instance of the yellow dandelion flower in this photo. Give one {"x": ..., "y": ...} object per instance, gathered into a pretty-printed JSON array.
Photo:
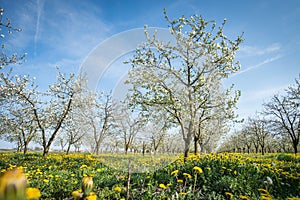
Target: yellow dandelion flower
[
  {"x": 179, "y": 181},
  {"x": 266, "y": 197},
  {"x": 187, "y": 175},
  {"x": 46, "y": 180},
  {"x": 77, "y": 194},
  {"x": 263, "y": 190},
  {"x": 198, "y": 169},
  {"x": 92, "y": 196},
  {"x": 229, "y": 194},
  {"x": 182, "y": 193},
  {"x": 83, "y": 166},
  {"x": 169, "y": 184},
  {"x": 244, "y": 197},
  {"x": 33, "y": 194},
  {"x": 75, "y": 182},
  {"x": 162, "y": 186},
  {"x": 174, "y": 172},
  {"x": 117, "y": 189}
]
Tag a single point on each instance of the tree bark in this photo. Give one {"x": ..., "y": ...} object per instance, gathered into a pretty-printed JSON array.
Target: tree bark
[{"x": 196, "y": 139}]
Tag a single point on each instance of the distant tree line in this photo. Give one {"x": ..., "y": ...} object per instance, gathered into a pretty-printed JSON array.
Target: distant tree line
[{"x": 275, "y": 129}]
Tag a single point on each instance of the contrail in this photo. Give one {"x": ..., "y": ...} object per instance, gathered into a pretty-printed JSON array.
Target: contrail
[
  {"x": 40, "y": 5},
  {"x": 258, "y": 65}
]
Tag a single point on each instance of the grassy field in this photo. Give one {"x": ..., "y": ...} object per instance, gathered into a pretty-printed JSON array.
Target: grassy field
[{"x": 204, "y": 176}]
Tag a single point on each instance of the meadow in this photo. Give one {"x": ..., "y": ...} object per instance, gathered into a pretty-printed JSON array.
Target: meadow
[{"x": 134, "y": 176}]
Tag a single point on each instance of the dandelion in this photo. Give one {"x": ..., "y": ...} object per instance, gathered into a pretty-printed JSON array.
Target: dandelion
[
  {"x": 187, "y": 175},
  {"x": 162, "y": 186},
  {"x": 266, "y": 197},
  {"x": 229, "y": 194},
  {"x": 92, "y": 196},
  {"x": 117, "y": 189},
  {"x": 198, "y": 169},
  {"x": 174, "y": 172},
  {"x": 83, "y": 166},
  {"x": 33, "y": 194},
  {"x": 87, "y": 185},
  {"x": 179, "y": 181},
  {"x": 169, "y": 184},
  {"x": 244, "y": 197},
  {"x": 77, "y": 194},
  {"x": 46, "y": 180},
  {"x": 182, "y": 193},
  {"x": 263, "y": 191}
]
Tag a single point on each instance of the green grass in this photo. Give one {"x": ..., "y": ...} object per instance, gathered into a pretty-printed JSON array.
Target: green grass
[{"x": 222, "y": 176}]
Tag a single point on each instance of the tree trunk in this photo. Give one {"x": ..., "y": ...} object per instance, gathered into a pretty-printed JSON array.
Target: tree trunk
[
  {"x": 295, "y": 144},
  {"x": 19, "y": 146},
  {"x": 262, "y": 150},
  {"x": 196, "y": 139},
  {"x": 97, "y": 148},
  {"x": 126, "y": 149},
  {"x": 68, "y": 149},
  {"x": 45, "y": 152},
  {"x": 187, "y": 142},
  {"x": 25, "y": 148}
]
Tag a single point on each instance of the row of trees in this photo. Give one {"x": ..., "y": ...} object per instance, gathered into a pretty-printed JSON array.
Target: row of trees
[
  {"x": 276, "y": 128},
  {"x": 67, "y": 115},
  {"x": 176, "y": 92},
  {"x": 174, "y": 86}
]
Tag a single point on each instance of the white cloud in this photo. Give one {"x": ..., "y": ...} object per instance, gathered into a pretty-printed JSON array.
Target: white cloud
[
  {"x": 264, "y": 93},
  {"x": 72, "y": 31},
  {"x": 255, "y": 51}
]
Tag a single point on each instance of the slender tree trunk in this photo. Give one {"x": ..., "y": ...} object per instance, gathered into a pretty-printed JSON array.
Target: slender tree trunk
[
  {"x": 126, "y": 148},
  {"x": 295, "y": 144},
  {"x": 196, "y": 139},
  {"x": 68, "y": 149},
  {"x": 97, "y": 148},
  {"x": 25, "y": 147}
]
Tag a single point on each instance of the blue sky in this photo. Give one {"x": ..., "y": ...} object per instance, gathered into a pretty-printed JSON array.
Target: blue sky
[{"x": 64, "y": 33}]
